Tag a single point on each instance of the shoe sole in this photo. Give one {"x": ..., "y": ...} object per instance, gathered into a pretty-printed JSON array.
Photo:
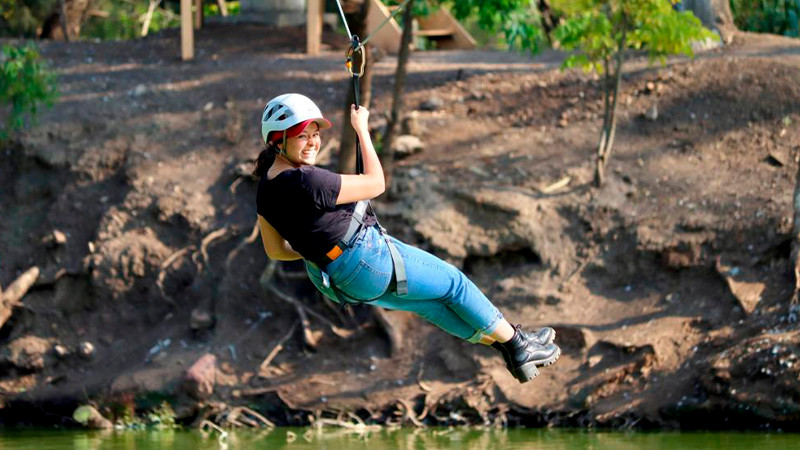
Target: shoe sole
[{"x": 529, "y": 371}]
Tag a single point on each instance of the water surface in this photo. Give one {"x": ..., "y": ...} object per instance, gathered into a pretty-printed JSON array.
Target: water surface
[{"x": 405, "y": 439}]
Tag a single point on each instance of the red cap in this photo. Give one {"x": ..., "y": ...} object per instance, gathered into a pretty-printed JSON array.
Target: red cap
[{"x": 297, "y": 129}]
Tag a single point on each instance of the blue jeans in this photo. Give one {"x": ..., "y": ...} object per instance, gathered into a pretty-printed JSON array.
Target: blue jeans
[{"x": 437, "y": 291}]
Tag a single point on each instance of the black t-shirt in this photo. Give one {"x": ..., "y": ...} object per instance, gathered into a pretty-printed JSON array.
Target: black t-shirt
[{"x": 301, "y": 205}]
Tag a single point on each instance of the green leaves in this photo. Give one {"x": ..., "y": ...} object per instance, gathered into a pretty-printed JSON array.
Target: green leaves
[
  {"x": 596, "y": 29},
  {"x": 25, "y": 83},
  {"x": 517, "y": 20},
  {"x": 767, "y": 16}
]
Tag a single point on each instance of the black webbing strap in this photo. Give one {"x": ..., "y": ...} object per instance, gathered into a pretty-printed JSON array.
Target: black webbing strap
[{"x": 397, "y": 259}]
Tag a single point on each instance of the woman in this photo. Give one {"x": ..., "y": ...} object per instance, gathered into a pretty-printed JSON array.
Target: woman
[{"x": 308, "y": 212}]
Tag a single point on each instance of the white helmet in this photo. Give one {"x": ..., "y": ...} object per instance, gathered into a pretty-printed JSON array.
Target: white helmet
[{"x": 286, "y": 111}]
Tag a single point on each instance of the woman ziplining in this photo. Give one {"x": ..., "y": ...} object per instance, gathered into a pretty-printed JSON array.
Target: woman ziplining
[
  {"x": 306, "y": 212},
  {"x": 324, "y": 218}
]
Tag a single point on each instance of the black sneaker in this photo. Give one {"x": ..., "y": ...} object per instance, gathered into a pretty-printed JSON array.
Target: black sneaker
[{"x": 523, "y": 353}]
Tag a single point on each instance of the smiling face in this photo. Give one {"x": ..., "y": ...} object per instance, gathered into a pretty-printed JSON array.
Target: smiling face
[{"x": 303, "y": 148}]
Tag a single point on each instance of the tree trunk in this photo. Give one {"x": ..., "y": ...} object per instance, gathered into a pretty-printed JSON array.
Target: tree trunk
[
  {"x": 387, "y": 153},
  {"x": 67, "y": 15},
  {"x": 604, "y": 152},
  {"x": 795, "y": 256},
  {"x": 549, "y": 23},
  {"x": 715, "y": 14},
  {"x": 358, "y": 26}
]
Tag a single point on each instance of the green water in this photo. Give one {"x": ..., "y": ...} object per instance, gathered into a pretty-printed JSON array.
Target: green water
[{"x": 401, "y": 440}]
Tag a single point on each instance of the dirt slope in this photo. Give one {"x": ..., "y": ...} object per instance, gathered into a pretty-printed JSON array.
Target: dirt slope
[{"x": 668, "y": 286}]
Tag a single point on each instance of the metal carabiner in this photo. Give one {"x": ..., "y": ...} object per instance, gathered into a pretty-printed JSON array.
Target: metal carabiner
[{"x": 355, "y": 58}]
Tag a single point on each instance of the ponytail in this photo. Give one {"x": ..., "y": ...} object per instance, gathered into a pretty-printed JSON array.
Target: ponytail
[{"x": 265, "y": 160}]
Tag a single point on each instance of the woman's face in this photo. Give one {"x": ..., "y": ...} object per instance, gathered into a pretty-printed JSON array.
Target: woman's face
[{"x": 303, "y": 148}]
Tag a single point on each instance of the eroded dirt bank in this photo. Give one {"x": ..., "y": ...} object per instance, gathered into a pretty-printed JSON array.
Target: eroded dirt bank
[{"x": 668, "y": 286}]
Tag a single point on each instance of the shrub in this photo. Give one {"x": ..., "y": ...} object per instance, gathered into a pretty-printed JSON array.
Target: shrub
[
  {"x": 767, "y": 16},
  {"x": 25, "y": 84}
]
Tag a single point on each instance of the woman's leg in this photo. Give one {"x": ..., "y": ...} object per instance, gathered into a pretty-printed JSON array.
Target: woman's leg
[{"x": 442, "y": 294}]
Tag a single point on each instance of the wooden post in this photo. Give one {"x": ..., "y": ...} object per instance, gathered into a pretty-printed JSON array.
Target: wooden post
[
  {"x": 314, "y": 26},
  {"x": 187, "y": 33},
  {"x": 198, "y": 14}
]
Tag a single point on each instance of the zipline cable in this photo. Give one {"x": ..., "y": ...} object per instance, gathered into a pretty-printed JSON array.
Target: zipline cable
[
  {"x": 385, "y": 21},
  {"x": 346, "y": 28}
]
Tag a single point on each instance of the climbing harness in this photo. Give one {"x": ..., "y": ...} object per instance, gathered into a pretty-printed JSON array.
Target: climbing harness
[{"x": 356, "y": 63}]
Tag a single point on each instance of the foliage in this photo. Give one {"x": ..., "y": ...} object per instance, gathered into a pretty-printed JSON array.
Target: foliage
[
  {"x": 598, "y": 29},
  {"x": 23, "y": 18},
  {"x": 517, "y": 20},
  {"x": 125, "y": 20},
  {"x": 212, "y": 9},
  {"x": 25, "y": 83},
  {"x": 601, "y": 31},
  {"x": 162, "y": 417},
  {"x": 767, "y": 16}
]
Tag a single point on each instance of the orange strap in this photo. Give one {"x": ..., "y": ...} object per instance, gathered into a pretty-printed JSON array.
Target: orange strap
[{"x": 334, "y": 253}]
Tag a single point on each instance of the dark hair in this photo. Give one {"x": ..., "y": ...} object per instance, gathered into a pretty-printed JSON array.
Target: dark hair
[{"x": 265, "y": 159}]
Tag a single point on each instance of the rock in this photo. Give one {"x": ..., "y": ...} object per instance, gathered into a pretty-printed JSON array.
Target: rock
[
  {"x": 406, "y": 145},
  {"x": 200, "y": 319},
  {"x": 89, "y": 417},
  {"x": 747, "y": 293},
  {"x": 411, "y": 124},
  {"x": 777, "y": 159},
  {"x": 54, "y": 239},
  {"x": 27, "y": 353},
  {"x": 432, "y": 104},
  {"x": 86, "y": 350},
  {"x": 594, "y": 360},
  {"x": 201, "y": 377},
  {"x": 60, "y": 351},
  {"x": 652, "y": 112},
  {"x": 139, "y": 90}
]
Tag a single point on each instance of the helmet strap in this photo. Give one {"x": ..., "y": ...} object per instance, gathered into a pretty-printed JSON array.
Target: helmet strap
[{"x": 282, "y": 152}]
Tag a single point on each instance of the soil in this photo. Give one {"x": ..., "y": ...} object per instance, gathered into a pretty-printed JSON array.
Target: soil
[{"x": 669, "y": 286}]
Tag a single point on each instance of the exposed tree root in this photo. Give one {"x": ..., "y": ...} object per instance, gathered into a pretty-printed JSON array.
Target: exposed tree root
[
  {"x": 408, "y": 414},
  {"x": 207, "y": 425},
  {"x": 242, "y": 413},
  {"x": 310, "y": 339},
  {"x": 12, "y": 296},
  {"x": 245, "y": 242},
  {"x": 211, "y": 237},
  {"x": 277, "y": 348},
  {"x": 341, "y": 332},
  {"x": 162, "y": 272}
]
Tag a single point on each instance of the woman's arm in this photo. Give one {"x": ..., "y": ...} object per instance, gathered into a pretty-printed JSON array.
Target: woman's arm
[
  {"x": 370, "y": 184},
  {"x": 274, "y": 244}
]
